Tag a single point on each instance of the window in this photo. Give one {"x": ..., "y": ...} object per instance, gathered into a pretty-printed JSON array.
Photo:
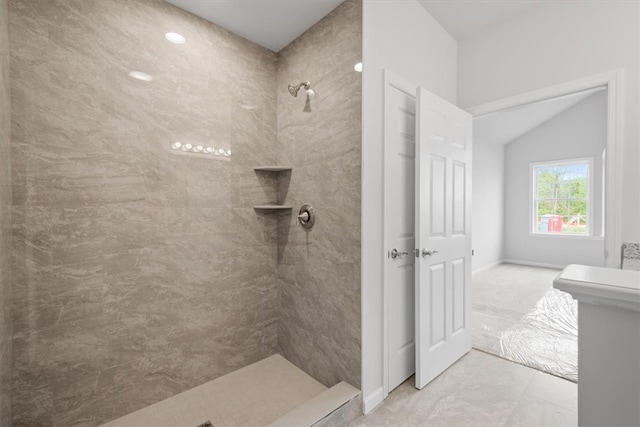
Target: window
[{"x": 562, "y": 194}]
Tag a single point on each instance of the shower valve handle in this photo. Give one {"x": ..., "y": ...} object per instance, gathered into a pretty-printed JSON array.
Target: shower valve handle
[{"x": 304, "y": 216}]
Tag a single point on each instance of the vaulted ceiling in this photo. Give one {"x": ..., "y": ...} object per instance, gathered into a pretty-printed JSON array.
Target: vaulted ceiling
[{"x": 270, "y": 23}]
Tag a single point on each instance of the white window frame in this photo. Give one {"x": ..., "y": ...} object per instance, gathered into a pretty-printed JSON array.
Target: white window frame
[{"x": 533, "y": 192}]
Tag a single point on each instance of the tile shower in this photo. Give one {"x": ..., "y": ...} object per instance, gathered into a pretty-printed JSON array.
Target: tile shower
[
  {"x": 138, "y": 272},
  {"x": 5, "y": 223}
]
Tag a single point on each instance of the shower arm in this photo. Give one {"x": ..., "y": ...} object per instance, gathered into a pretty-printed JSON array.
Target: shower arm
[{"x": 293, "y": 90}]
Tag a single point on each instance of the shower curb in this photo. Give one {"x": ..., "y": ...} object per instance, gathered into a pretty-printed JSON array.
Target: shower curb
[{"x": 319, "y": 407}]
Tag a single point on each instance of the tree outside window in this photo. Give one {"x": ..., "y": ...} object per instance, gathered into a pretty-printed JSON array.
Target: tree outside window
[{"x": 561, "y": 196}]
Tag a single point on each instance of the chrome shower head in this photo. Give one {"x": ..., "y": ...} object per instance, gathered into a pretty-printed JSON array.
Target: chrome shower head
[{"x": 293, "y": 90}]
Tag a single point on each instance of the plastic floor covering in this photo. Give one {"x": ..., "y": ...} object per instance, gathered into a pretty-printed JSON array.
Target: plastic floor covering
[{"x": 546, "y": 338}]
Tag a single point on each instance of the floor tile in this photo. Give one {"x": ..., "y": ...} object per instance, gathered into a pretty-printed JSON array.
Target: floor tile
[
  {"x": 555, "y": 390},
  {"x": 480, "y": 390},
  {"x": 532, "y": 412}
]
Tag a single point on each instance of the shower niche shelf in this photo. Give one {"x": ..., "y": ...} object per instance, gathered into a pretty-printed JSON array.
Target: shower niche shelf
[
  {"x": 273, "y": 207},
  {"x": 272, "y": 168}
]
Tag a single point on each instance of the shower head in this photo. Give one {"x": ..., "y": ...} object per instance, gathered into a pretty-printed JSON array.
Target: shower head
[{"x": 293, "y": 90}]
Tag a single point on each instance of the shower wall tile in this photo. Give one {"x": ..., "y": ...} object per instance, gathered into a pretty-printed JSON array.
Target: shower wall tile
[
  {"x": 138, "y": 273},
  {"x": 5, "y": 224},
  {"x": 319, "y": 270}
]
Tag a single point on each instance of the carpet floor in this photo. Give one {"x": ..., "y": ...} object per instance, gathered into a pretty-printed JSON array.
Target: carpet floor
[{"x": 517, "y": 315}]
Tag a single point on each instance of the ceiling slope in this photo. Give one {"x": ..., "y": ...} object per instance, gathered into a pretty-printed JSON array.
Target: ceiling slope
[{"x": 270, "y": 23}]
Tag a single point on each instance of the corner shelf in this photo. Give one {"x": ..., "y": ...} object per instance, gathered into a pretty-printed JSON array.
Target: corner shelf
[
  {"x": 273, "y": 207},
  {"x": 273, "y": 168}
]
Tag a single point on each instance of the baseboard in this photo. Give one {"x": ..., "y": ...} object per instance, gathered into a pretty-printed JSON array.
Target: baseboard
[
  {"x": 533, "y": 264},
  {"x": 373, "y": 399},
  {"x": 488, "y": 266}
]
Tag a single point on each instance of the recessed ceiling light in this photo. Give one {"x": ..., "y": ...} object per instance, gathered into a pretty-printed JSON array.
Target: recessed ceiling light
[
  {"x": 358, "y": 67},
  {"x": 175, "y": 38},
  {"x": 140, "y": 76}
]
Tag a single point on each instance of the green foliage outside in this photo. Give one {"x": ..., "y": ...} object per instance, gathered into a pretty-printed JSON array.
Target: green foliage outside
[{"x": 562, "y": 190}]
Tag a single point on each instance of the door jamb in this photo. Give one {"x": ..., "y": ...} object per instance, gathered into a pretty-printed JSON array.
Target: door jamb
[
  {"x": 391, "y": 80},
  {"x": 613, "y": 81}
]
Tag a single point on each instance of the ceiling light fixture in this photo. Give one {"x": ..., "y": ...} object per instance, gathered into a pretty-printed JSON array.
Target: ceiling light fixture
[
  {"x": 175, "y": 38},
  {"x": 139, "y": 75}
]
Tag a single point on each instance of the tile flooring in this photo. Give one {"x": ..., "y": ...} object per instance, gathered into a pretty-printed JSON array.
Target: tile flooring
[
  {"x": 255, "y": 395},
  {"x": 480, "y": 390}
]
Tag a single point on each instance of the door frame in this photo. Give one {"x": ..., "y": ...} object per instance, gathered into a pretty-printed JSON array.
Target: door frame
[
  {"x": 613, "y": 81},
  {"x": 391, "y": 81}
]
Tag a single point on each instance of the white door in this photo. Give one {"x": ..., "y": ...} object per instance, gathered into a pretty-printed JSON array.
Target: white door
[
  {"x": 443, "y": 235},
  {"x": 399, "y": 230}
]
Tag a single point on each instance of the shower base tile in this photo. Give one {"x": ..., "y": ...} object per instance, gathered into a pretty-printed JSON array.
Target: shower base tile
[{"x": 255, "y": 395}]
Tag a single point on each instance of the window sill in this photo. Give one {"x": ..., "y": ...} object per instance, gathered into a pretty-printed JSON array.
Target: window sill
[{"x": 566, "y": 236}]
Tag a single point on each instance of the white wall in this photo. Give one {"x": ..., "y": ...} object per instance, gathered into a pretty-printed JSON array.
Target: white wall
[
  {"x": 556, "y": 43},
  {"x": 402, "y": 37},
  {"x": 488, "y": 203},
  {"x": 579, "y": 132}
]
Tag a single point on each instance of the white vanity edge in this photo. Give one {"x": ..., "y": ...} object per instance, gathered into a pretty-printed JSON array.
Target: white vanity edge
[{"x": 601, "y": 286}]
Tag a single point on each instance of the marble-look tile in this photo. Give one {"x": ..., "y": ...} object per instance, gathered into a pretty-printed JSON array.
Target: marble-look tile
[
  {"x": 547, "y": 401},
  {"x": 480, "y": 390},
  {"x": 319, "y": 322},
  {"x": 536, "y": 413},
  {"x": 139, "y": 273},
  {"x": 344, "y": 415},
  {"x": 6, "y": 323}
]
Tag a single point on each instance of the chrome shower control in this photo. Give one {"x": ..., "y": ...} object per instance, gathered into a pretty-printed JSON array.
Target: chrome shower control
[{"x": 306, "y": 217}]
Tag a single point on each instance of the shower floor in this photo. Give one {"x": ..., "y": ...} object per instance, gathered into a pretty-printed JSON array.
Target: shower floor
[{"x": 255, "y": 395}]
